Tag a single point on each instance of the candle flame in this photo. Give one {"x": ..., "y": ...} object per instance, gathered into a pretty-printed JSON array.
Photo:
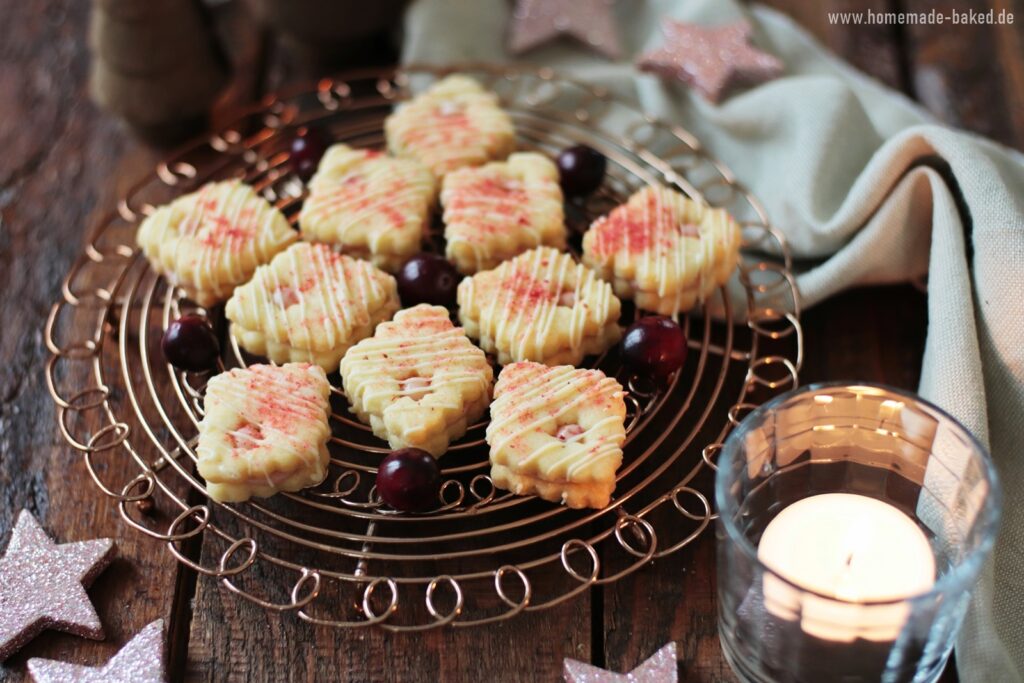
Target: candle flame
[{"x": 853, "y": 544}]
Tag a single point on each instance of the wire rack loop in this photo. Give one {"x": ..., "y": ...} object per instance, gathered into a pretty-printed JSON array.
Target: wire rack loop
[{"x": 482, "y": 555}]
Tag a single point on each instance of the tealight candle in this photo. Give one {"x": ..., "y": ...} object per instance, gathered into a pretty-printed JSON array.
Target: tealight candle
[
  {"x": 853, "y": 520},
  {"x": 850, "y": 548}
]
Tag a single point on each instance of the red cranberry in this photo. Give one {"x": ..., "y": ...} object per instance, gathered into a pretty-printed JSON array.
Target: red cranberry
[
  {"x": 306, "y": 149},
  {"x": 654, "y": 346},
  {"x": 409, "y": 480},
  {"x": 581, "y": 170},
  {"x": 428, "y": 279},
  {"x": 191, "y": 344}
]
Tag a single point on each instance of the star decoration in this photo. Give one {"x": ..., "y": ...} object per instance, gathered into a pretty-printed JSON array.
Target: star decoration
[
  {"x": 711, "y": 59},
  {"x": 42, "y": 585},
  {"x": 660, "y": 668},
  {"x": 535, "y": 22},
  {"x": 140, "y": 661}
]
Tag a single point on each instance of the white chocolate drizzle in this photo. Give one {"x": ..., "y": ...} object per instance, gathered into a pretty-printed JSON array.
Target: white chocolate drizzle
[
  {"x": 542, "y": 395},
  {"x": 353, "y": 187},
  {"x": 454, "y": 123},
  {"x": 528, "y": 293},
  {"x": 514, "y": 204},
  {"x": 287, "y": 404},
  {"x": 311, "y": 297},
  {"x": 667, "y": 237},
  {"x": 424, "y": 361},
  {"x": 226, "y": 230}
]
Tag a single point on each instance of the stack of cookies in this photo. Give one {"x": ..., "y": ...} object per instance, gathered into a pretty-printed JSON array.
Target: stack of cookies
[{"x": 325, "y": 299}]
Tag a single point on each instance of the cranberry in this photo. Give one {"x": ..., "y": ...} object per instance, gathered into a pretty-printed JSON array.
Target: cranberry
[
  {"x": 409, "y": 480},
  {"x": 428, "y": 279},
  {"x": 306, "y": 149},
  {"x": 581, "y": 170},
  {"x": 191, "y": 344},
  {"x": 654, "y": 346}
]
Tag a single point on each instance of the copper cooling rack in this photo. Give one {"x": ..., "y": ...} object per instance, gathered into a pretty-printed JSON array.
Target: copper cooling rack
[{"x": 335, "y": 555}]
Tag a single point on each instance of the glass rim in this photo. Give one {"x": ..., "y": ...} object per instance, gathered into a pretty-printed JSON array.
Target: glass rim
[{"x": 962, "y": 572}]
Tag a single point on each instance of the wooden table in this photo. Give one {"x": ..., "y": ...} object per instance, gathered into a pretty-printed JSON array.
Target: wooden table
[{"x": 64, "y": 163}]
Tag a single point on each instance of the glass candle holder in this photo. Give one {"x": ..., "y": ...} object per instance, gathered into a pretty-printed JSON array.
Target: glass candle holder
[{"x": 853, "y": 523}]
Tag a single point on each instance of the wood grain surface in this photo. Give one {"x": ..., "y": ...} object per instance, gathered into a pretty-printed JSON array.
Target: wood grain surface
[{"x": 64, "y": 164}]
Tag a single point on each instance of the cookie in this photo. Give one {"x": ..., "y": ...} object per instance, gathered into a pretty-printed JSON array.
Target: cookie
[
  {"x": 664, "y": 251},
  {"x": 557, "y": 432},
  {"x": 418, "y": 381},
  {"x": 501, "y": 209},
  {"x": 540, "y": 306},
  {"x": 265, "y": 430},
  {"x": 310, "y": 304},
  {"x": 210, "y": 241},
  {"x": 454, "y": 123},
  {"x": 372, "y": 206}
]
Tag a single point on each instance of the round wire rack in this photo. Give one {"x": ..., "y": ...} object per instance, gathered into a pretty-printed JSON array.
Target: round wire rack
[{"x": 336, "y": 555}]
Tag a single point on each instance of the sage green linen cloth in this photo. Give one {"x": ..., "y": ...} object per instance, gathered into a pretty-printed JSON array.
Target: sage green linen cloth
[{"x": 859, "y": 177}]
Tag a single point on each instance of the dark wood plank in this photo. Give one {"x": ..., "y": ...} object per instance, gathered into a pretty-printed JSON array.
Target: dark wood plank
[
  {"x": 55, "y": 175},
  {"x": 672, "y": 600},
  {"x": 873, "y": 49},
  {"x": 872, "y": 334},
  {"x": 968, "y": 75},
  {"x": 66, "y": 164},
  {"x": 234, "y": 640},
  {"x": 971, "y": 75},
  {"x": 241, "y": 652}
]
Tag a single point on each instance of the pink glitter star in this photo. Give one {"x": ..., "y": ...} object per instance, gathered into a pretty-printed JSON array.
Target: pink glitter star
[
  {"x": 536, "y": 22},
  {"x": 660, "y": 668},
  {"x": 140, "y": 661},
  {"x": 712, "y": 59},
  {"x": 42, "y": 585}
]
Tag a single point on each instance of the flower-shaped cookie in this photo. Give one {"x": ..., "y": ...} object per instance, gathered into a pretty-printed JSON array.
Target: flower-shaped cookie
[
  {"x": 666, "y": 252},
  {"x": 501, "y": 209},
  {"x": 540, "y": 306},
  {"x": 310, "y": 304},
  {"x": 210, "y": 241},
  {"x": 557, "y": 432},
  {"x": 373, "y": 206},
  {"x": 418, "y": 381},
  {"x": 265, "y": 429},
  {"x": 455, "y": 123}
]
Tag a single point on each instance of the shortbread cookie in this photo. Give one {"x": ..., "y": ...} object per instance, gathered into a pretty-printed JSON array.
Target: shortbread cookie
[
  {"x": 664, "y": 251},
  {"x": 210, "y": 241},
  {"x": 540, "y": 306},
  {"x": 373, "y": 206},
  {"x": 501, "y": 209},
  {"x": 310, "y": 304},
  {"x": 455, "y": 123},
  {"x": 265, "y": 429},
  {"x": 418, "y": 381},
  {"x": 557, "y": 432}
]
